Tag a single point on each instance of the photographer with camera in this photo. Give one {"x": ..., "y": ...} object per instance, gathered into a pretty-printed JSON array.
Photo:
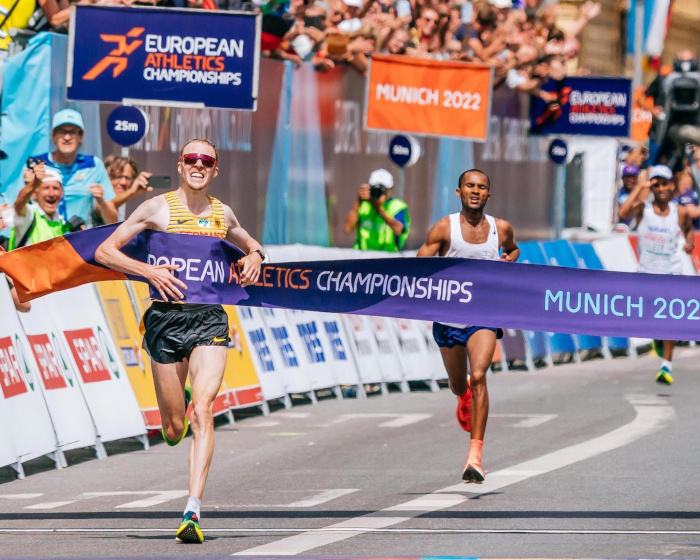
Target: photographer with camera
[
  {"x": 36, "y": 216},
  {"x": 382, "y": 222},
  {"x": 672, "y": 100}
]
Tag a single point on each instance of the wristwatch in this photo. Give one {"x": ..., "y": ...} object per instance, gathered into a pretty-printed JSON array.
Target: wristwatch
[{"x": 263, "y": 256}]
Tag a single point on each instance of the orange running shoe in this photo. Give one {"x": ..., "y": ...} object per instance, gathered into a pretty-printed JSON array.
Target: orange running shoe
[
  {"x": 473, "y": 472},
  {"x": 464, "y": 405}
]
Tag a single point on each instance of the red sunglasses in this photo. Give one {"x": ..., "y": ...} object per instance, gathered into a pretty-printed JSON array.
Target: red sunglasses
[{"x": 191, "y": 159}]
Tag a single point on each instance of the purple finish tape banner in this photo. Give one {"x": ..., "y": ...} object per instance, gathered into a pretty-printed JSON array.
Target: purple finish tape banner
[{"x": 486, "y": 293}]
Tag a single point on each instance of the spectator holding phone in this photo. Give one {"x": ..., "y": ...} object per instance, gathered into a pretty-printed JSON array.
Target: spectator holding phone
[
  {"x": 127, "y": 183},
  {"x": 84, "y": 178},
  {"x": 382, "y": 222}
]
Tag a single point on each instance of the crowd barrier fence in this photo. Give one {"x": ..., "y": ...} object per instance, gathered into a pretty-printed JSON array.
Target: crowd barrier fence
[{"x": 73, "y": 373}]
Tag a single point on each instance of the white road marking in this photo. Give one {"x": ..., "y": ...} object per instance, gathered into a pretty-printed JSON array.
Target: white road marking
[
  {"x": 354, "y": 529},
  {"x": 264, "y": 424},
  {"x": 648, "y": 420},
  {"x": 399, "y": 420},
  {"x": 49, "y": 505},
  {"x": 321, "y": 498},
  {"x": 528, "y": 420},
  {"x": 313, "y": 539},
  {"x": 19, "y": 496},
  {"x": 160, "y": 497}
]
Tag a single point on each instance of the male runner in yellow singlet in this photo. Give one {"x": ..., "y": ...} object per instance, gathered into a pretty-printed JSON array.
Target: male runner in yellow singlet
[
  {"x": 181, "y": 338},
  {"x": 470, "y": 234}
]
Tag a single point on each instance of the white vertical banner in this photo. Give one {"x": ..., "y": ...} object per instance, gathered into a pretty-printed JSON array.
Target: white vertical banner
[
  {"x": 8, "y": 452},
  {"x": 416, "y": 362},
  {"x": 92, "y": 353},
  {"x": 387, "y": 345},
  {"x": 267, "y": 365},
  {"x": 28, "y": 421},
  {"x": 335, "y": 339},
  {"x": 316, "y": 350},
  {"x": 439, "y": 371},
  {"x": 364, "y": 346},
  {"x": 286, "y": 344},
  {"x": 67, "y": 407}
]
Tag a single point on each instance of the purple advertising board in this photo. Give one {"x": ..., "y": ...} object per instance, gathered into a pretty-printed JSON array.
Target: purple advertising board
[
  {"x": 176, "y": 57},
  {"x": 584, "y": 105}
]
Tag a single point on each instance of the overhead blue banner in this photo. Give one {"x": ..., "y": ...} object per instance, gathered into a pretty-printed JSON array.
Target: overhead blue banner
[
  {"x": 474, "y": 292},
  {"x": 193, "y": 57},
  {"x": 586, "y": 106}
]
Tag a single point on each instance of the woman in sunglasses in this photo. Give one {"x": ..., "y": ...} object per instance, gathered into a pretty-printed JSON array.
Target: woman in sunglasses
[{"x": 183, "y": 338}]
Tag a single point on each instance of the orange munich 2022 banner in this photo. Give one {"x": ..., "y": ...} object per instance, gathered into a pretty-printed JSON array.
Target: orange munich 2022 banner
[{"x": 429, "y": 97}]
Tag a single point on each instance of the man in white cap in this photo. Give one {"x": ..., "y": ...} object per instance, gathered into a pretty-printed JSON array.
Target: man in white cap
[
  {"x": 659, "y": 227},
  {"x": 36, "y": 217},
  {"x": 382, "y": 223},
  {"x": 84, "y": 177}
]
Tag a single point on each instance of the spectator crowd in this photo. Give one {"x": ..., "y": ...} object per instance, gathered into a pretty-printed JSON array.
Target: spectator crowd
[{"x": 521, "y": 39}]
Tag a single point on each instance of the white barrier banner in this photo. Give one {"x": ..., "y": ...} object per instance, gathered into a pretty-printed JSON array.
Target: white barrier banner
[
  {"x": 29, "y": 423},
  {"x": 387, "y": 344},
  {"x": 67, "y": 407},
  {"x": 287, "y": 346},
  {"x": 416, "y": 362},
  {"x": 315, "y": 348},
  {"x": 8, "y": 452},
  {"x": 334, "y": 338},
  {"x": 267, "y": 364},
  {"x": 439, "y": 371},
  {"x": 92, "y": 353},
  {"x": 364, "y": 346}
]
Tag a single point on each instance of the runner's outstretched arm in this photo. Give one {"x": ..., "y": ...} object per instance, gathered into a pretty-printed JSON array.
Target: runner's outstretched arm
[
  {"x": 243, "y": 240},
  {"x": 109, "y": 253}
]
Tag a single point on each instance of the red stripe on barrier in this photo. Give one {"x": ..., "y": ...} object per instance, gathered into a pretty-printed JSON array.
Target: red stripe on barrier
[{"x": 248, "y": 397}]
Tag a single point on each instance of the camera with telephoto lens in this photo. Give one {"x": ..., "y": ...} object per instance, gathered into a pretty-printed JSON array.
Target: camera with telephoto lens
[
  {"x": 376, "y": 191},
  {"x": 679, "y": 122},
  {"x": 76, "y": 223}
]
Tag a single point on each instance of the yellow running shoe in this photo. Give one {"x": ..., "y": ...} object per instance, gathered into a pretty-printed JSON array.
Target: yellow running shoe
[
  {"x": 664, "y": 377},
  {"x": 189, "y": 531}
]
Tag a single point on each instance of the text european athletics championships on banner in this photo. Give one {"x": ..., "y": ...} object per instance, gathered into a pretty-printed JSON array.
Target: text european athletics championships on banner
[
  {"x": 428, "y": 97},
  {"x": 164, "y": 56},
  {"x": 588, "y": 106}
]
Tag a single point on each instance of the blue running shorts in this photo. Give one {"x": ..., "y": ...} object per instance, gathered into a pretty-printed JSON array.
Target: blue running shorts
[{"x": 448, "y": 337}]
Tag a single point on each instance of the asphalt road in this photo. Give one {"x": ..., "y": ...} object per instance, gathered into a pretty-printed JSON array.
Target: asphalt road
[{"x": 590, "y": 460}]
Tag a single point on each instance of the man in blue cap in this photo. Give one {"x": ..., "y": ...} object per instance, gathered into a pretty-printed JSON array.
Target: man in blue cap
[{"x": 86, "y": 182}]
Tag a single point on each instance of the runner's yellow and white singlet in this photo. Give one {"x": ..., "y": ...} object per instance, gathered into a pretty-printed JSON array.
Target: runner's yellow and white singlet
[{"x": 183, "y": 221}]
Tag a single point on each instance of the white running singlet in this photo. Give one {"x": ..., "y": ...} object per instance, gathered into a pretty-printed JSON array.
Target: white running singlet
[
  {"x": 487, "y": 251},
  {"x": 659, "y": 237}
]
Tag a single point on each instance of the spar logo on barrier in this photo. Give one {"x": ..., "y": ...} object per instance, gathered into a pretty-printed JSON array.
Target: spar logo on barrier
[
  {"x": 52, "y": 364},
  {"x": 201, "y": 58},
  {"x": 94, "y": 360},
  {"x": 14, "y": 369}
]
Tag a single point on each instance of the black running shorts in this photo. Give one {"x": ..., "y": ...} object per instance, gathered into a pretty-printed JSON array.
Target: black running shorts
[{"x": 173, "y": 330}]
